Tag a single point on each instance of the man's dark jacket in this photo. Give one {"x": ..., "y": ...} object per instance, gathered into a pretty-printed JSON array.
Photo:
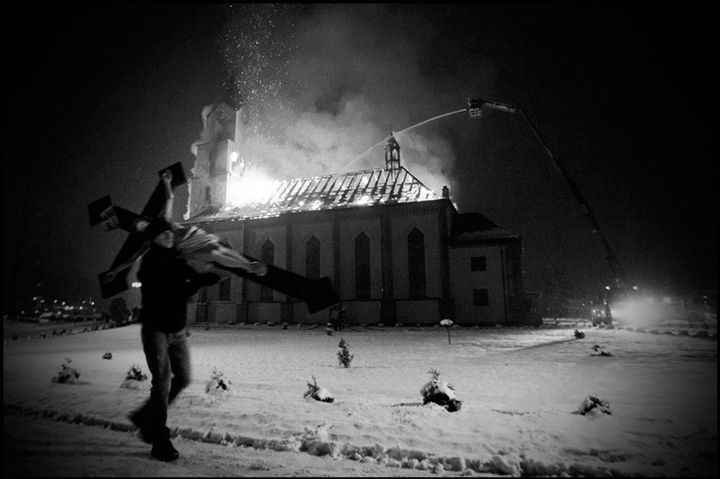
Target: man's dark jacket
[{"x": 167, "y": 284}]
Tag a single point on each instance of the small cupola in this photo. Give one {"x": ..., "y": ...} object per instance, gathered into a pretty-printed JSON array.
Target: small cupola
[{"x": 392, "y": 154}]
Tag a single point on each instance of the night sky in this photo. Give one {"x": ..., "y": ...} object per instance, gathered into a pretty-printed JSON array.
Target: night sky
[{"x": 101, "y": 97}]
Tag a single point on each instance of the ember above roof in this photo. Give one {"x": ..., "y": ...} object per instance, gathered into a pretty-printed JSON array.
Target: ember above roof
[{"x": 359, "y": 188}]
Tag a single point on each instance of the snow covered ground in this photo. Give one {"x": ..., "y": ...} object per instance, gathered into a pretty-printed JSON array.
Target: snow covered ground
[{"x": 518, "y": 389}]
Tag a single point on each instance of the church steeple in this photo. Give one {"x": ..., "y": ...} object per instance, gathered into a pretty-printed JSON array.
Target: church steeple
[
  {"x": 392, "y": 154},
  {"x": 208, "y": 189}
]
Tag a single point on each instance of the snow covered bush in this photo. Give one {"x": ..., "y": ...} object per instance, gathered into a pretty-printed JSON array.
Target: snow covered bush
[
  {"x": 133, "y": 378},
  {"x": 218, "y": 386},
  {"x": 344, "y": 355},
  {"x": 135, "y": 373},
  {"x": 440, "y": 393},
  {"x": 318, "y": 393},
  {"x": 66, "y": 374},
  {"x": 593, "y": 406},
  {"x": 599, "y": 351}
]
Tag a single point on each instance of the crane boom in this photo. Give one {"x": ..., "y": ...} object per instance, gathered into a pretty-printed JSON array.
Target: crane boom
[
  {"x": 474, "y": 108},
  {"x": 610, "y": 256}
]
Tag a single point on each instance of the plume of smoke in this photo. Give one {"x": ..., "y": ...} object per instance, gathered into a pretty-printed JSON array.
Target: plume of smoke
[
  {"x": 320, "y": 84},
  {"x": 426, "y": 157}
]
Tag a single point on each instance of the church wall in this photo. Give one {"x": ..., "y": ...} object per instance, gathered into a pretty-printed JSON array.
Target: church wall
[
  {"x": 425, "y": 312},
  {"x": 300, "y": 314},
  {"x": 303, "y": 227},
  {"x": 232, "y": 231},
  {"x": 344, "y": 226},
  {"x": 259, "y": 231},
  {"x": 403, "y": 222},
  {"x": 354, "y": 222},
  {"x": 463, "y": 281},
  {"x": 222, "y": 311},
  {"x": 192, "y": 314},
  {"x": 264, "y": 312},
  {"x": 322, "y": 229},
  {"x": 362, "y": 312}
]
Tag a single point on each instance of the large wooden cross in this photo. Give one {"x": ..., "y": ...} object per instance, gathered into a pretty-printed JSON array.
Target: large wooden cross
[{"x": 317, "y": 294}]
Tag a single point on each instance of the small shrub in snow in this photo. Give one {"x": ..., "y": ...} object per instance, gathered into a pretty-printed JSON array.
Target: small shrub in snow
[
  {"x": 107, "y": 356},
  {"x": 579, "y": 334},
  {"x": 135, "y": 374},
  {"x": 66, "y": 374},
  {"x": 318, "y": 393},
  {"x": 593, "y": 406},
  {"x": 599, "y": 351},
  {"x": 133, "y": 378},
  {"x": 344, "y": 355},
  {"x": 440, "y": 393},
  {"x": 218, "y": 385}
]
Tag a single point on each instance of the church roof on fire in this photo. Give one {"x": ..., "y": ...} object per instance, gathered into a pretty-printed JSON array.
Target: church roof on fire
[{"x": 360, "y": 188}]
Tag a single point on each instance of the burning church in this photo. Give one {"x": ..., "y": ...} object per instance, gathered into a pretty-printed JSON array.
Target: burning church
[{"x": 395, "y": 251}]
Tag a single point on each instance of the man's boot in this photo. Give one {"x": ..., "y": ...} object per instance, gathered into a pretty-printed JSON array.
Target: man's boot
[{"x": 164, "y": 451}]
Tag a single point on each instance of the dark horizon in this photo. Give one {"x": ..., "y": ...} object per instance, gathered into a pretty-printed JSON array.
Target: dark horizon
[{"x": 100, "y": 97}]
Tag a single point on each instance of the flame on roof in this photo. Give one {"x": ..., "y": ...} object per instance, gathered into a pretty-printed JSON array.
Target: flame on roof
[{"x": 360, "y": 188}]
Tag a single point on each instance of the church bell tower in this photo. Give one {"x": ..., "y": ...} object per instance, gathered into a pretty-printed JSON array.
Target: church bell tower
[{"x": 213, "y": 159}]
